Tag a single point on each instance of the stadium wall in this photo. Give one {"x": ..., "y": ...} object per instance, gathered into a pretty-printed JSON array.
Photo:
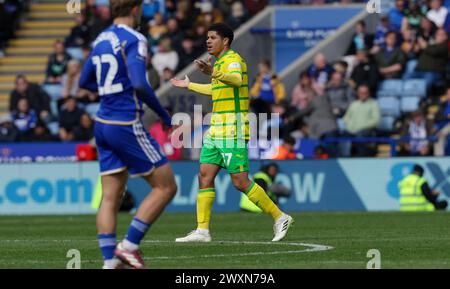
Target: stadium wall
[{"x": 328, "y": 185}]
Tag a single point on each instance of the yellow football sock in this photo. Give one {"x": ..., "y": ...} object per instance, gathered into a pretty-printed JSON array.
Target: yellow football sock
[
  {"x": 258, "y": 196},
  {"x": 205, "y": 201}
]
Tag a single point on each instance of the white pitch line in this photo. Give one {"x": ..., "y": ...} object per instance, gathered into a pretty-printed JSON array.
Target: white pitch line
[{"x": 311, "y": 248}]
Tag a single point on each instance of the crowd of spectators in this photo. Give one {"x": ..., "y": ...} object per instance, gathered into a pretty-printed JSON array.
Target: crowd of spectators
[
  {"x": 341, "y": 99},
  {"x": 330, "y": 99}
]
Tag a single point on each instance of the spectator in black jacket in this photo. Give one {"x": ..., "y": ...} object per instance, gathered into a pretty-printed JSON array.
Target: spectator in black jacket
[
  {"x": 69, "y": 118},
  {"x": 361, "y": 39},
  {"x": 84, "y": 131},
  {"x": 38, "y": 99},
  {"x": 365, "y": 72},
  {"x": 57, "y": 63},
  {"x": 79, "y": 35}
]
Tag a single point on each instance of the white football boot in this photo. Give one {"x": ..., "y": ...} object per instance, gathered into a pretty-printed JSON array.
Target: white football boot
[
  {"x": 281, "y": 227},
  {"x": 195, "y": 236}
]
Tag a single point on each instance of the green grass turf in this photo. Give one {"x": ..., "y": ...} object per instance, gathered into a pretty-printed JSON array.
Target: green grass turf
[{"x": 409, "y": 240}]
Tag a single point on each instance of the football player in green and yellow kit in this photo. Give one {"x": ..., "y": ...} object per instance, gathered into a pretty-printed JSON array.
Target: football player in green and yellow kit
[{"x": 226, "y": 143}]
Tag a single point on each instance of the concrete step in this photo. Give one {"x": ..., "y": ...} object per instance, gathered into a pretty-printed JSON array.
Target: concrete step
[
  {"x": 47, "y": 24},
  {"x": 29, "y": 42},
  {"x": 33, "y": 78},
  {"x": 37, "y": 33},
  {"x": 17, "y": 60},
  {"x": 15, "y": 69},
  {"x": 29, "y": 50}
]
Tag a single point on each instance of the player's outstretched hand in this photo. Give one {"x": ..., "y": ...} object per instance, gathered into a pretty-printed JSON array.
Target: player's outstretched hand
[
  {"x": 182, "y": 83},
  {"x": 205, "y": 67}
]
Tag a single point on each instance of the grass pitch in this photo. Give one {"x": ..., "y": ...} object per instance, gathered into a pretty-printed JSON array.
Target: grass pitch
[{"x": 240, "y": 240}]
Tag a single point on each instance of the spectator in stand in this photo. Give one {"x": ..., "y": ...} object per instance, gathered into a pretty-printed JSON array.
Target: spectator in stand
[
  {"x": 339, "y": 95},
  {"x": 167, "y": 75},
  {"x": 40, "y": 133},
  {"x": 70, "y": 86},
  {"x": 396, "y": 15},
  {"x": 174, "y": 33},
  {"x": 165, "y": 57},
  {"x": 200, "y": 31},
  {"x": 442, "y": 121},
  {"x": 267, "y": 89},
  {"x": 418, "y": 129},
  {"x": 85, "y": 130},
  {"x": 361, "y": 119},
  {"x": 413, "y": 18},
  {"x": 79, "y": 35},
  {"x": 24, "y": 118},
  {"x": 8, "y": 132},
  {"x": 38, "y": 99},
  {"x": 157, "y": 28},
  {"x": 238, "y": 15},
  {"x": 433, "y": 59},
  {"x": 57, "y": 63},
  {"x": 69, "y": 118},
  {"x": 318, "y": 117},
  {"x": 427, "y": 29},
  {"x": 187, "y": 53},
  {"x": 437, "y": 13},
  {"x": 411, "y": 49},
  {"x": 162, "y": 134},
  {"x": 304, "y": 91},
  {"x": 184, "y": 15},
  {"x": 100, "y": 21},
  {"x": 320, "y": 70},
  {"x": 286, "y": 150},
  {"x": 365, "y": 72},
  {"x": 149, "y": 9},
  {"x": 390, "y": 59},
  {"x": 382, "y": 28}
]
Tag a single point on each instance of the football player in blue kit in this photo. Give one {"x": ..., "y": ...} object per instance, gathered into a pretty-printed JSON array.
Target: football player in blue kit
[{"x": 116, "y": 70}]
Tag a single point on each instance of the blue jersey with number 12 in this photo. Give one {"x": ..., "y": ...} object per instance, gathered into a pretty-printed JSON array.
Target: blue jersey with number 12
[{"x": 116, "y": 69}]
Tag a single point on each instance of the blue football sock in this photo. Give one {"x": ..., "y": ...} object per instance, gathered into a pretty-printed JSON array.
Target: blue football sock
[
  {"x": 137, "y": 231},
  {"x": 107, "y": 244}
]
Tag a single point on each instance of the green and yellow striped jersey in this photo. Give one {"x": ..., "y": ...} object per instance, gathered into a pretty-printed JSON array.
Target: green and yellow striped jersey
[{"x": 229, "y": 118}]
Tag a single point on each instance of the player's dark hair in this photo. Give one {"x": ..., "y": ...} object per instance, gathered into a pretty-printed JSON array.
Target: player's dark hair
[
  {"x": 122, "y": 8},
  {"x": 223, "y": 30}
]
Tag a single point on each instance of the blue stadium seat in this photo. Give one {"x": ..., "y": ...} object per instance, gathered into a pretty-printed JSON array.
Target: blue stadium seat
[
  {"x": 386, "y": 123},
  {"x": 393, "y": 86},
  {"x": 409, "y": 103},
  {"x": 415, "y": 87},
  {"x": 53, "y": 90},
  {"x": 389, "y": 106}
]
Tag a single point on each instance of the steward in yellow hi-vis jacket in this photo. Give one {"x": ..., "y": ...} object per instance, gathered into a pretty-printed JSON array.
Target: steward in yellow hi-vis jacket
[{"x": 416, "y": 195}]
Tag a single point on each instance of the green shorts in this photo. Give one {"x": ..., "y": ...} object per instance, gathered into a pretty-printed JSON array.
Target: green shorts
[{"x": 229, "y": 154}]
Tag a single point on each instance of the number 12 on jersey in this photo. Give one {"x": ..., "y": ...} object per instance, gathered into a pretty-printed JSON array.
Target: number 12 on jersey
[{"x": 108, "y": 87}]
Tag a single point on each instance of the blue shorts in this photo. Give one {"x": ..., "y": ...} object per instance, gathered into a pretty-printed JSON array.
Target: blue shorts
[{"x": 131, "y": 147}]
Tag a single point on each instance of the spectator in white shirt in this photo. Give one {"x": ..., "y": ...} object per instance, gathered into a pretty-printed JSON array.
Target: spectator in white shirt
[
  {"x": 166, "y": 57},
  {"x": 437, "y": 13}
]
